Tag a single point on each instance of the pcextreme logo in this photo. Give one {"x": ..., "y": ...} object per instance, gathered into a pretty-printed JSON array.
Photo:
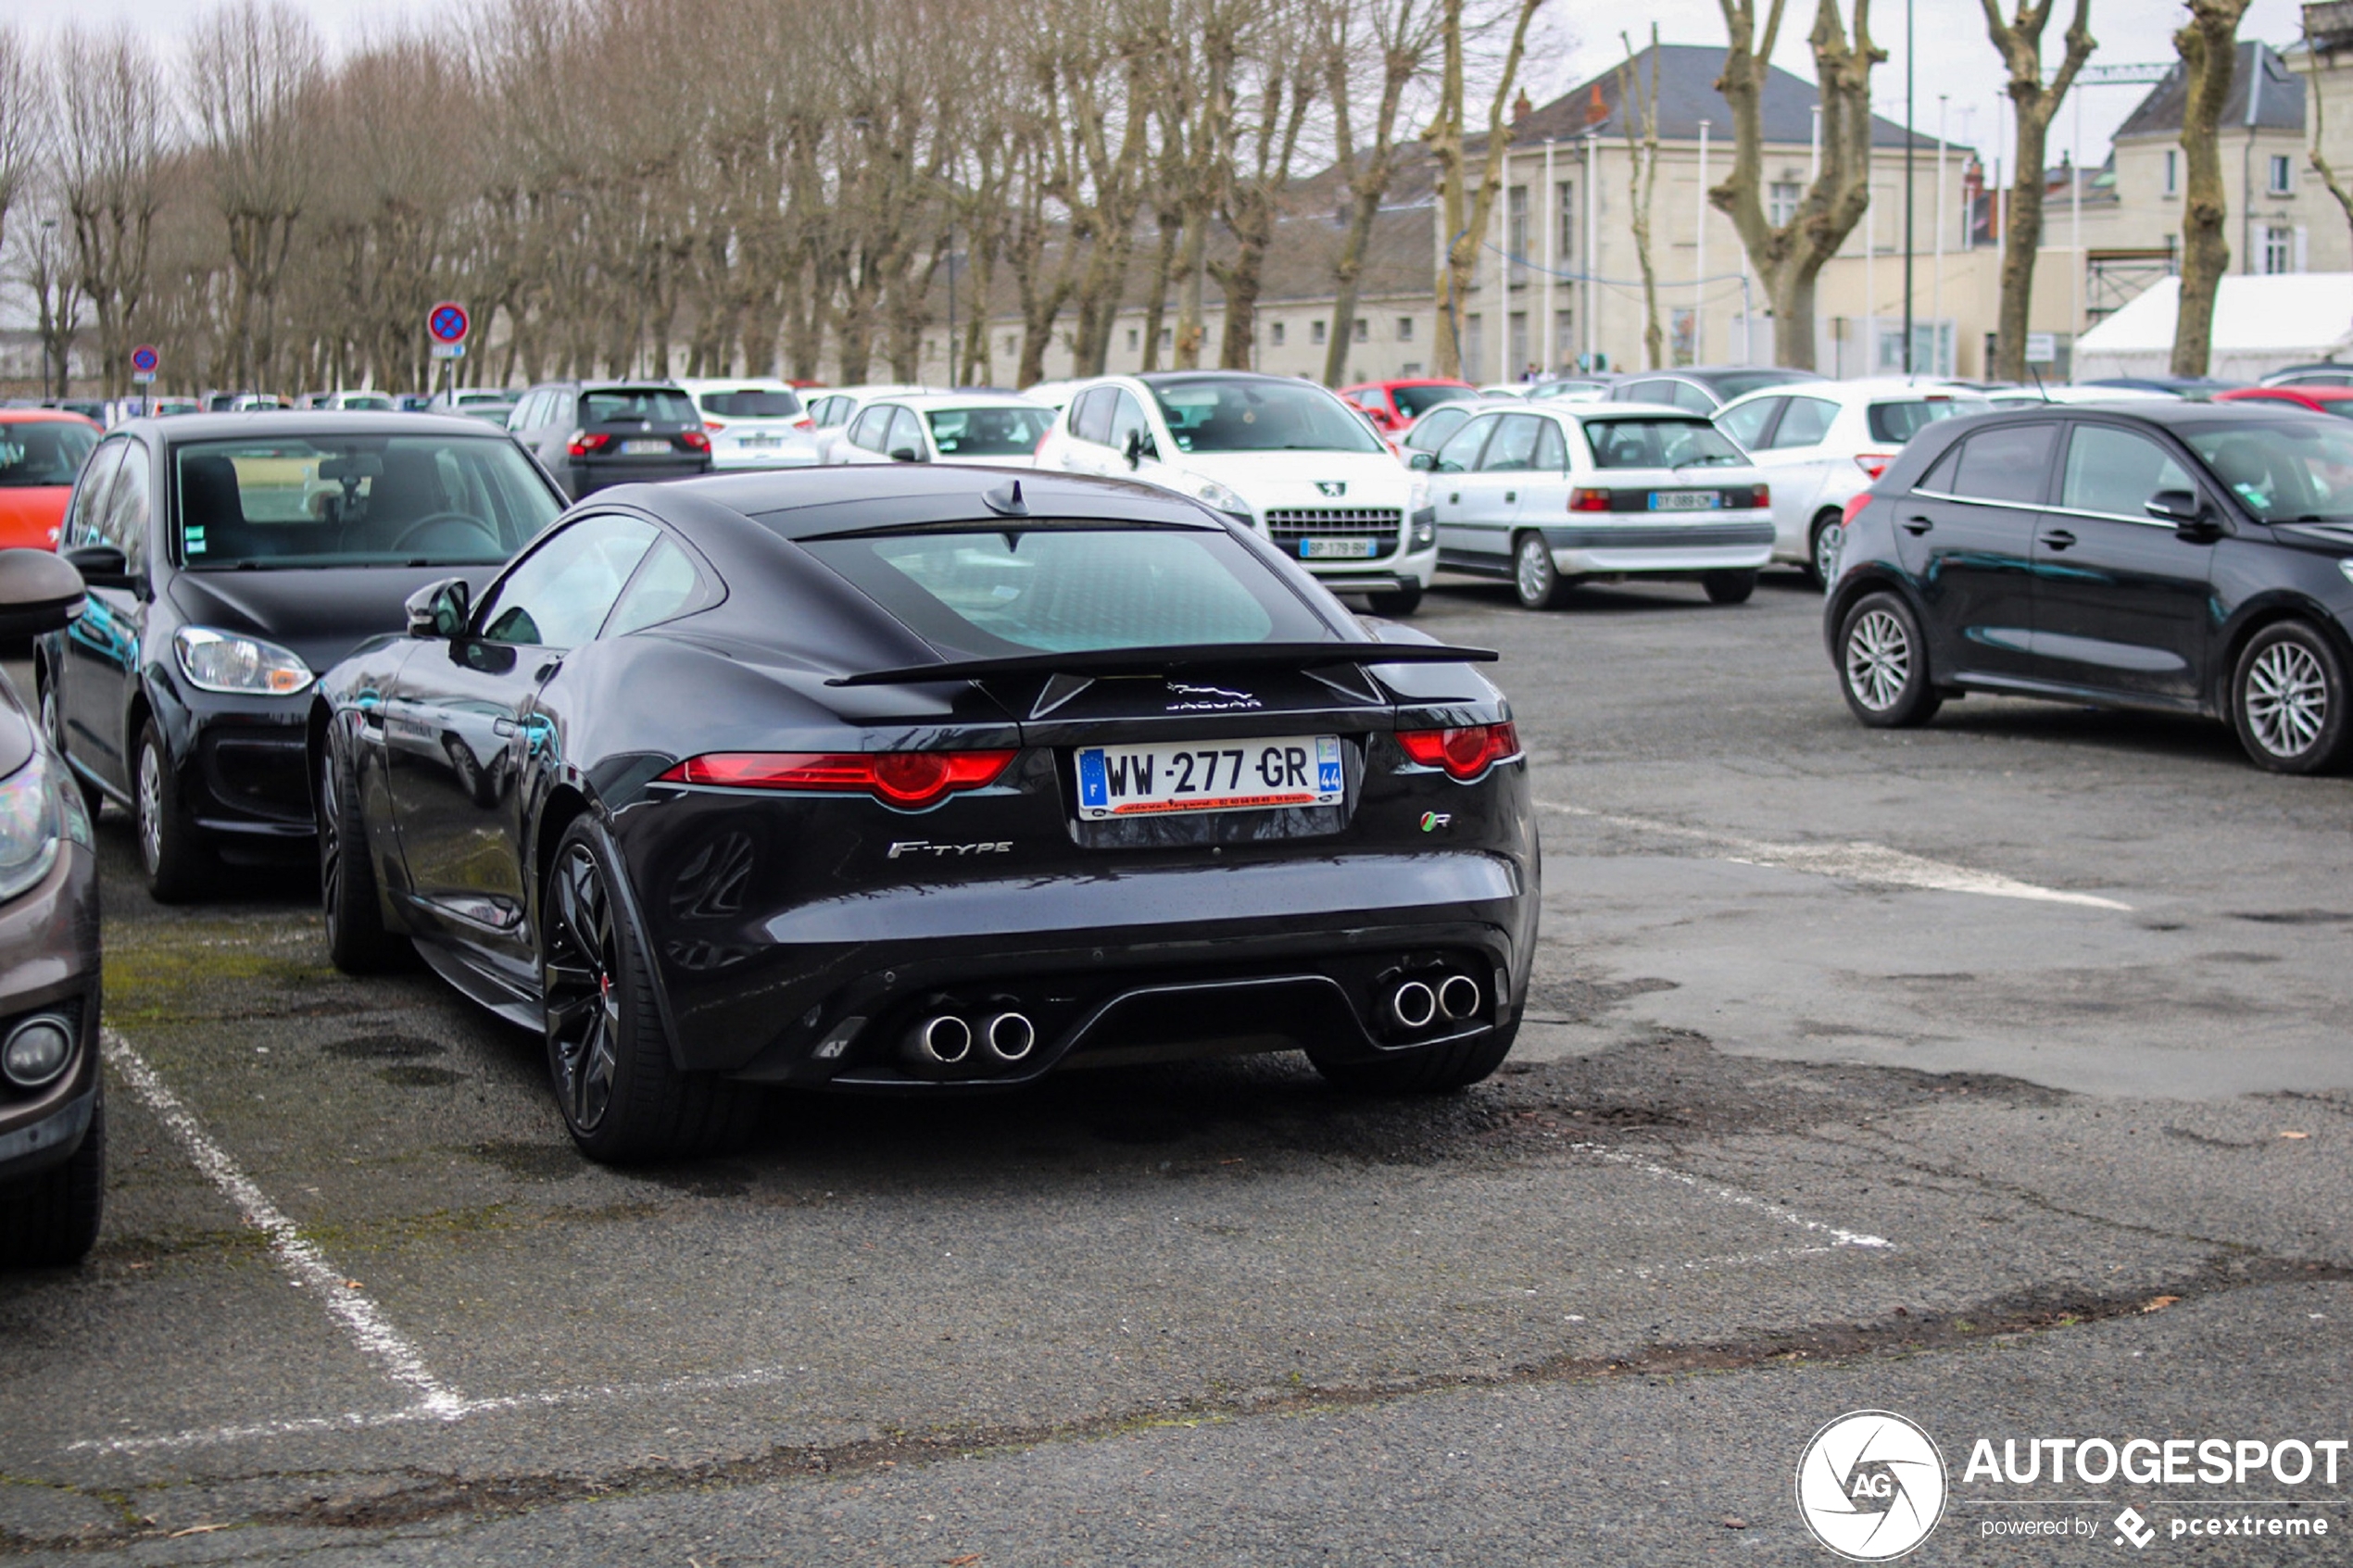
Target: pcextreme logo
[{"x": 1870, "y": 1486}]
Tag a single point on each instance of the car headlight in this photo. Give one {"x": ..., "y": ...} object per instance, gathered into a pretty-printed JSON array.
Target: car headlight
[
  {"x": 38, "y": 813},
  {"x": 1212, "y": 494},
  {"x": 223, "y": 662}
]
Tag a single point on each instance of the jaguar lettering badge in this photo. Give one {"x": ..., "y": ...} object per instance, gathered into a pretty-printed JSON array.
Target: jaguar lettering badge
[
  {"x": 1206, "y": 699},
  {"x": 942, "y": 851}
]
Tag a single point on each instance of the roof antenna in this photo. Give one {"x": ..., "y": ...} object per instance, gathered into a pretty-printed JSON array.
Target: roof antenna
[
  {"x": 1005, "y": 500},
  {"x": 2036, "y": 372}
]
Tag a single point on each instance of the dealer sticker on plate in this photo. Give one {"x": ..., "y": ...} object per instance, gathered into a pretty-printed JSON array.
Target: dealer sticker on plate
[{"x": 1242, "y": 775}]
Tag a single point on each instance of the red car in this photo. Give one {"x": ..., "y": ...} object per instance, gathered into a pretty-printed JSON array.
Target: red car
[
  {"x": 2337, "y": 400},
  {"x": 1394, "y": 404},
  {"x": 41, "y": 450}
]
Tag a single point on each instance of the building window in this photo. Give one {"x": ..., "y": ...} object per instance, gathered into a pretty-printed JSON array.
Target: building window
[
  {"x": 1315, "y": 331},
  {"x": 1012, "y": 344},
  {"x": 1519, "y": 363},
  {"x": 1404, "y": 329},
  {"x": 2278, "y": 174},
  {"x": 1167, "y": 338},
  {"x": 1275, "y": 335},
  {"x": 1410, "y": 369},
  {"x": 2279, "y": 248},
  {"x": 1781, "y": 205},
  {"x": 1474, "y": 348},
  {"x": 2171, "y": 171},
  {"x": 1515, "y": 232},
  {"x": 1563, "y": 338},
  {"x": 1364, "y": 329},
  {"x": 1135, "y": 339},
  {"x": 1566, "y": 197}
]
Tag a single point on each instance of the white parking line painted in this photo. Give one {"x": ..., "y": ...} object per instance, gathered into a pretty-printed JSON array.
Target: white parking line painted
[
  {"x": 1837, "y": 1236},
  {"x": 1858, "y": 862},
  {"x": 300, "y": 1257}
]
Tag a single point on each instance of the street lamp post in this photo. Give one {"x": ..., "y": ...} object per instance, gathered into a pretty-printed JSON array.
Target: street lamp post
[{"x": 1908, "y": 187}]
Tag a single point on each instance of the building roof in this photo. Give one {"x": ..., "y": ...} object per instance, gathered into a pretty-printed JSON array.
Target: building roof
[
  {"x": 1687, "y": 95},
  {"x": 2265, "y": 94}
]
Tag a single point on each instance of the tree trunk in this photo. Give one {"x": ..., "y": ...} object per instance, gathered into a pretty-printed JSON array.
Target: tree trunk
[
  {"x": 2208, "y": 48},
  {"x": 1468, "y": 211},
  {"x": 2020, "y": 43}
]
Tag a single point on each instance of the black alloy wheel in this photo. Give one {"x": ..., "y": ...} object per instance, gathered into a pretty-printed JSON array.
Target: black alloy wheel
[
  {"x": 177, "y": 861},
  {"x": 608, "y": 1056},
  {"x": 358, "y": 940},
  {"x": 53, "y": 725},
  {"x": 51, "y": 1219},
  {"x": 1728, "y": 587},
  {"x": 2288, "y": 700},
  {"x": 1534, "y": 578},
  {"x": 1883, "y": 664},
  {"x": 1404, "y": 601}
]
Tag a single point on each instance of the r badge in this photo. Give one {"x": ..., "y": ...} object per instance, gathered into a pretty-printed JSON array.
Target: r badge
[{"x": 1433, "y": 820}]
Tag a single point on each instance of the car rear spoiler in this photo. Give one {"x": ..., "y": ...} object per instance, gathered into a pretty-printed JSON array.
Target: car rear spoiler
[{"x": 1153, "y": 661}]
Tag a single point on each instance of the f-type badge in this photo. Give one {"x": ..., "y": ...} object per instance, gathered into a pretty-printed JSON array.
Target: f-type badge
[{"x": 1335, "y": 488}]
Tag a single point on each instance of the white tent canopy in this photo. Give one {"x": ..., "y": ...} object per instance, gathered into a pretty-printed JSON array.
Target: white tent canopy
[{"x": 2262, "y": 324}]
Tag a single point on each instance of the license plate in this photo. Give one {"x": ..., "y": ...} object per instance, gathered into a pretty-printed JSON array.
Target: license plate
[
  {"x": 643, "y": 448},
  {"x": 1685, "y": 500},
  {"x": 1339, "y": 549},
  {"x": 1244, "y": 775},
  {"x": 760, "y": 441}
]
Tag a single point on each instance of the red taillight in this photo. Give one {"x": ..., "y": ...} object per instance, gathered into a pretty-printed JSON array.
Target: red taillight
[
  {"x": 694, "y": 441},
  {"x": 714, "y": 426},
  {"x": 804, "y": 422},
  {"x": 583, "y": 442},
  {"x": 900, "y": 778},
  {"x": 1584, "y": 500},
  {"x": 1854, "y": 503},
  {"x": 1465, "y": 753},
  {"x": 1873, "y": 463}
]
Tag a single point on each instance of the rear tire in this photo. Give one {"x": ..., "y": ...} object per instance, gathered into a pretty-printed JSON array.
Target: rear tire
[
  {"x": 1822, "y": 549},
  {"x": 178, "y": 862},
  {"x": 1883, "y": 664},
  {"x": 1404, "y": 601},
  {"x": 2288, "y": 700},
  {"x": 51, "y": 1219},
  {"x": 1434, "y": 1071},
  {"x": 1730, "y": 587},
  {"x": 53, "y": 725},
  {"x": 608, "y": 1056},
  {"x": 1534, "y": 578},
  {"x": 358, "y": 940}
]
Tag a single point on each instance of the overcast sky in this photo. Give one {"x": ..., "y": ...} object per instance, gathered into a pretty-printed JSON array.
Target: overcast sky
[{"x": 1957, "y": 62}]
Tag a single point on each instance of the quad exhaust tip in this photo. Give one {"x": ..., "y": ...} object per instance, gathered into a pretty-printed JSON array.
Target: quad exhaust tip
[
  {"x": 1458, "y": 996},
  {"x": 1414, "y": 1004},
  {"x": 941, "y": 1041},
  {"x": 1009, "y": 1037}
]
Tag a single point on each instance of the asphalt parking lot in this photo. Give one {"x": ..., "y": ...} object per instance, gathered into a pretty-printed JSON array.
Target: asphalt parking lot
[{"x": 1994, "y": 1073}]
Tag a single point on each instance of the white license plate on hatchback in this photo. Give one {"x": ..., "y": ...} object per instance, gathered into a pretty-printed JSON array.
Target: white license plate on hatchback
[
  {"x": 760, "y": 441},
  {"x": 643, "y": 448},
  {"x": 1685, "y": 500},
  {"x": 1339, "y": 549},
  {"x": 1259, "y": 774}
]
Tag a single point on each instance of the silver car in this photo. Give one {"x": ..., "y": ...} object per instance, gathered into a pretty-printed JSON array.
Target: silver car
[{"x": 1563, "y": 493}]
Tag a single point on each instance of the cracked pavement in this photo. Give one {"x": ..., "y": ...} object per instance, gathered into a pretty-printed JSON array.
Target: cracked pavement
[{"x": 1825, "y": 1103}]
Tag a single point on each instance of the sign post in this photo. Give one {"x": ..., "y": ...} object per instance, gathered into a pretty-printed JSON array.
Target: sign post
[
  {"x": 446, "y": 324},
  {"x": 144, "y": 360}
]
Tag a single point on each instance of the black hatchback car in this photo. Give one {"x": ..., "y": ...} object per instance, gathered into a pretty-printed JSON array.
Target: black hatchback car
[
  {"x": 591, "y": 435},
  {"x": 230, "y": 558},
  {"x": 2188, "y": 558}
]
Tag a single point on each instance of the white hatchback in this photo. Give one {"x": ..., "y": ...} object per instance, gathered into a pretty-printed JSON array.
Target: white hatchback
[
  {"x": 753, "y": 423},
  {"x": 994, "y": 428},
  {"x": 1820, "y": 443},
  {"x": 1556, "y": 493}
]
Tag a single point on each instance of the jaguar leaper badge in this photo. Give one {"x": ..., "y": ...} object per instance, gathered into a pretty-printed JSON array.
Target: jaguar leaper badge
[{"x": 1332, "y": 487}]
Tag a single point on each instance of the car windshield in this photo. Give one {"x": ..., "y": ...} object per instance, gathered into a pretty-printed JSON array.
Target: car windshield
[
  {"x": 1067, "y": 589},
  {"x": 366, "y": 500},
  {"x": 630, "y": 404},
  {"x": 1899, "y": 422},
  {"x": 2287, "y": 472},
  {"x": 1657, "y": 444},
  {"x": 1729, "y": 384},
  {"x": 1260, "y": 416},
  {"x": 1414, "y": 401},
  {"x": 751, "y": 403},
  {"x": 42, "y": 452},
  {"x": 988, "y": 432}
]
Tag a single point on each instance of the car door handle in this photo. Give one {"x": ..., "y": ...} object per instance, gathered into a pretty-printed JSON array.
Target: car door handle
[
  {"x": 1510, "y": 495},
  {"x": 2058, "y": 538},
  {"x": 1456, "y": 499},
  {"x": 1916, "y": 524}
]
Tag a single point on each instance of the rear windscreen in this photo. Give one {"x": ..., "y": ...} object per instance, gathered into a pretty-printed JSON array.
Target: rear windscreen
[
  {"x": 1658, "y": 443},
  {"x": 635, "y": 405},
  {"x": 42, "y": 452},
  {"x": 752, "y": 404},
  {"x": 1898, "y": 423},
  {"x": 988, "y": 432},
  {"x": 1414, "y": 401},
  {"x": 1071, "y": 589}
]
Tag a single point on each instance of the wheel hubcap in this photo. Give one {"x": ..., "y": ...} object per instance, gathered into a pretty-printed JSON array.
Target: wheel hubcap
[
  {"x": 1879, "y": 661},
  {"x": 330, "y": 842},
  {"x": 150, "y": 808},
  {"x": 2287, "y": 699},
  {"x": 1535, "y": 570},
  {"x": 1826, "y": 544},
  {"x": 584, "y": 1015}
]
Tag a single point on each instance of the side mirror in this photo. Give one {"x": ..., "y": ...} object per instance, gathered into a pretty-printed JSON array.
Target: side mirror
[
  {"x": 100, "y": 566},
  {"x": 905, "y": 455},
  {"x": 1423, "y": 462},
  {"x": 1141, "y": 445},
  {"x": 39, "y": 591},
  {"x": 2187, "y": 512},
  {"x": 438, "y": 609}
]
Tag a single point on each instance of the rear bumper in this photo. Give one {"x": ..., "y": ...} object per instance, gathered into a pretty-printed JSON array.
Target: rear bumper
[
  {"x": 1587, "y": 548},
  {"x": 583, "y": 478}
]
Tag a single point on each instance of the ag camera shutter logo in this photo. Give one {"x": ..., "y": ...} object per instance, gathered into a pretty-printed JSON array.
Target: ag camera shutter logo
[{"x": 1870, "y": 1486}]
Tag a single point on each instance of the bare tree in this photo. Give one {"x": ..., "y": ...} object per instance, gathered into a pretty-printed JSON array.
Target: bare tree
[
  {"x": 1398, "y": 36},
  {"x": 1288, "y": 74},
  {"x": 25, "y": 109},
  {"x": 2033, "y": 104},
  {"x": 1465, "y": 208},
  {"x": 1638, "y": 113},
  {"x": 2208, "y": 48},
  {"x": 1789, "y": 257},
  {"x": 2329, "y": 178},
  {"x": 116, "y": 126}
]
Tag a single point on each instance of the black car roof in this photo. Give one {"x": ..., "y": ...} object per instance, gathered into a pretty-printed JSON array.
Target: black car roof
[
  {"x": 803, "y": 503},
  {"x": 304, "y": 421}
]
